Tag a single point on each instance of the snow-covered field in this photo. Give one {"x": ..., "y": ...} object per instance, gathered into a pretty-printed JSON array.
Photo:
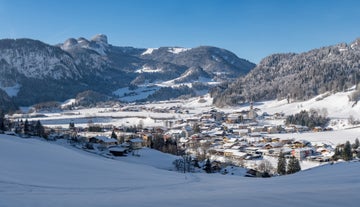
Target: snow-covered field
[{"x": 38, "y": 173}]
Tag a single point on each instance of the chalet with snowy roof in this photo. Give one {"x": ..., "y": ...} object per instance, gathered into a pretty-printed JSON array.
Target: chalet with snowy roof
[
  {"x": 325, "y": 151},
  {"x": 273, "y": 145},
  {"x": 118, "y": 150},
  {"x": 257, "y": 129},
  {"x": 301, "y": 144},
  {"x": 317, "y": 129},
  {"x": 290, "y": 129},
  {"x": 300, "y": 128},
  {"x": 302, "y": 153},
  {"x": 233, "y": 118},
  {"x": 206, "y": 116},
  {"x": 273, "y": 129},
  {"x": 136, "y": 143},
  {"x": 104, "y": 141},
  {"x": 241, "y": 132},
  {"x": 234, "y": 154}
]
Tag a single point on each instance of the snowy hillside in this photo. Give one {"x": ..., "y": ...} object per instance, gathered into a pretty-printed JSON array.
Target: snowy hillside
[{"x": 38, "y": 173}]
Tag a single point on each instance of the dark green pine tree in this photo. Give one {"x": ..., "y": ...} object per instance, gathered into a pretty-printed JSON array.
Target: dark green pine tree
[
  {"x": 293, "y": 166},
  {"x": 71, "y": 125},
  {"x": 207, "y": 166},
  {"x": 26, "y": 127},
  {"x": 337, "y": 153},
  {"x": 113, "y": 135},
  {"x": 281, "y": 165},
  {"x": 39, "y": 129},
  {"x": 347, "y": 154},
  {"x": 297, "y": 166},
  {"x": 355, "y": 145},
  {"x": 2, "y": 121}
]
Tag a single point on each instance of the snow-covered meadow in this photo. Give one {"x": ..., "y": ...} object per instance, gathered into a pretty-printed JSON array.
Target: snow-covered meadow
[{"x": 39, "y": 173}]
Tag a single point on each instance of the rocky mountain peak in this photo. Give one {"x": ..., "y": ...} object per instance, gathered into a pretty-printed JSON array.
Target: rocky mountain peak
[
  {"x": 98, "y": 43},
  {"x": 100, "y": 38},
  {"x": 69, "y": 43}
]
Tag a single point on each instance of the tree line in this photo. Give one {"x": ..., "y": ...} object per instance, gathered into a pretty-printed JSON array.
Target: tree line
[
  {"x": 310, "y": 119},
  {"x": 27, "y": 128}
]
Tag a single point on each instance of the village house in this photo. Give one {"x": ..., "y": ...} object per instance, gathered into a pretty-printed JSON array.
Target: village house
[
  {"x": 233, "y": 118},
  {"x": 234, "y": 154},
  {"x": 118, "y": 150},
  {"x": 300, "y": 128},
  {"x": 301, "y": 144},
  {"x": 103, "y": 141},
  {"x": 290, "y": 129},
  {"x": 302, "y": 153},
  {"x": 273, "y": 129},
  {"x": 240, "y": 132},
  {"x": 317, "y": 129},
  {"x": 136, "y": 143},
  {"x": 257, "y": 129}
]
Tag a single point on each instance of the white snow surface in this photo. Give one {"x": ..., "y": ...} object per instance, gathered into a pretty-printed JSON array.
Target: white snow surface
[
  {"x": 68, "y": 102},
  {"x": 149, "y": 51},
  {"x": 177, "y": 50},
  {"x": 142, "y": 92},
  {"x": 36, "y": 173},
  {"x": 146, "y": 69}
]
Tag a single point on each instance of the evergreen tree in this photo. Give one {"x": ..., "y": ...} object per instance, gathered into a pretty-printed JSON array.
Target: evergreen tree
[
  {"x": 347, "y": 154},
  {"x": 293, "y": 165},
  {"x": 39, "y": 129},
  {"x": 297, "y": 166},
  {"x": 2, "y": 121},
  {"x": 26, "y": 127},
  {"x": 337, "y": 153},
  {"x": 281, "y": 166},
  {"x": 355, "y": 145},
  {"x": 71, "y": 125},
  {"x": 207, "y": 166},
  {"x": 113, "y": 135}
]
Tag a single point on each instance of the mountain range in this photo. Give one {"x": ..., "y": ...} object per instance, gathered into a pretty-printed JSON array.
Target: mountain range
[
  {"x": 32, "y": 71},
  {"x": 295, "y": 76}
]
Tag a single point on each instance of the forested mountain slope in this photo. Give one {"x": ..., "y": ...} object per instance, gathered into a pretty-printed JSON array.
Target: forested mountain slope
[{"x": 296, "y": 76}]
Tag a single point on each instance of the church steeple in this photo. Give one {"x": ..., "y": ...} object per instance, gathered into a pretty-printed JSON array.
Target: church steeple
[{"x": 252, "y": 114}]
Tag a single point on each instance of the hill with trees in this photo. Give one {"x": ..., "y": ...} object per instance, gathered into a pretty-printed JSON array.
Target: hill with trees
[{"x": 295, "y": 76}]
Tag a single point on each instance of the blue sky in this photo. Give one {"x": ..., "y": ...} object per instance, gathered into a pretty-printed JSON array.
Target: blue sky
[{"x": 252, "y": 29}]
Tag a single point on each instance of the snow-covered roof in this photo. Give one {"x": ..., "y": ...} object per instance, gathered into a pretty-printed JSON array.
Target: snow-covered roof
[
  {"x": 105, "y": 139},
  {"x": 136, "y": 140},
  {"x": 117, "y": 149}
]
